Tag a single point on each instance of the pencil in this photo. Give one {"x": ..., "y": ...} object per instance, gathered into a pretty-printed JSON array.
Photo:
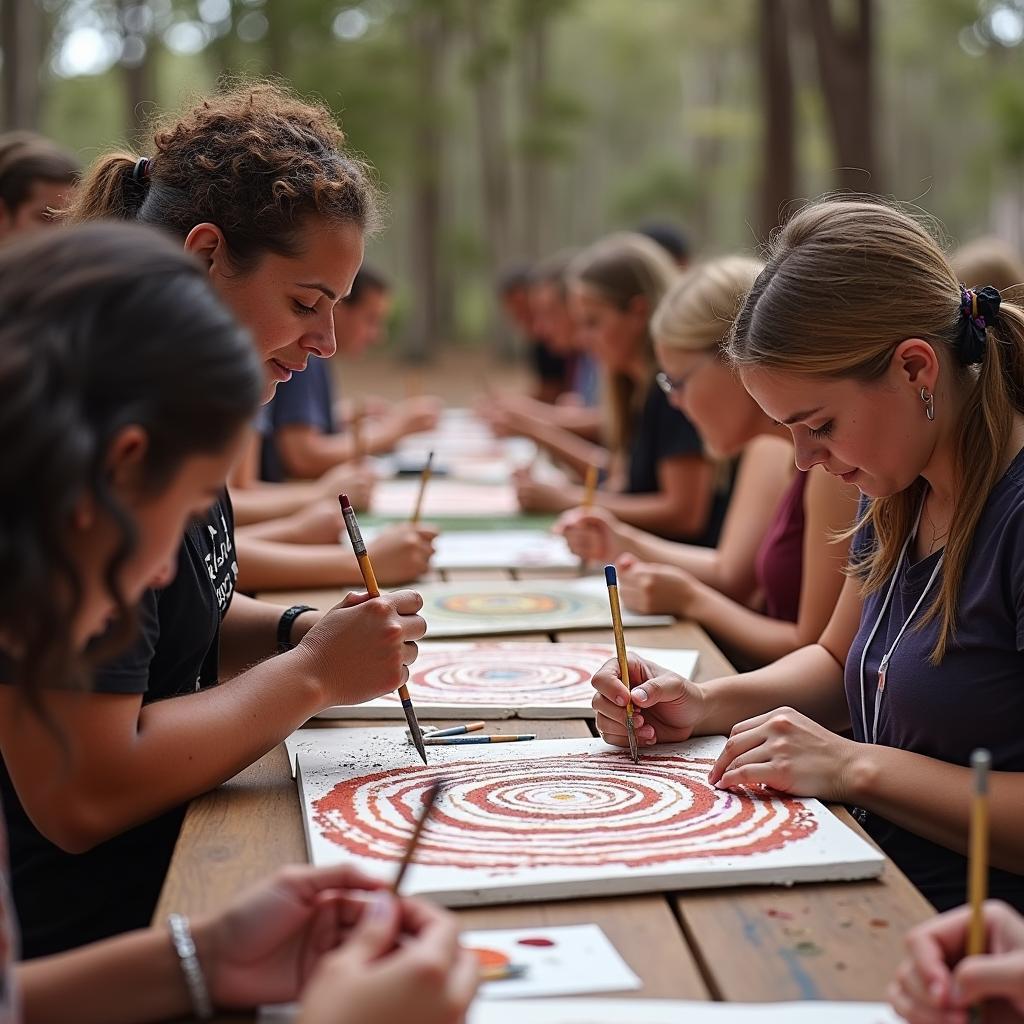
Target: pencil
[
  {"x": 590, "y": 486},
  {"x": 611, "y": 578},
  {"x": 428, "y": 803},
  {"x": 424, "y": 478},
  {"x": 370, "y": 582},
  {"x": 977, "y": 869},
  {"x": 459, "y": 741}
]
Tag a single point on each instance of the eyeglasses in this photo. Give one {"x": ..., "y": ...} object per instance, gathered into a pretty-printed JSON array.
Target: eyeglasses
[{"x": 669, "y": 384}]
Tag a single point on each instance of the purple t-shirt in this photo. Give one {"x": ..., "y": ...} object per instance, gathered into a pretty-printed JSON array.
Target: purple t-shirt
[{"x": 974, "y": 698}]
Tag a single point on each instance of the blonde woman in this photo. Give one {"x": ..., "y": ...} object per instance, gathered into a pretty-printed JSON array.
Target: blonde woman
[
  {"x": 893, "y": 376},
  {"x": 770, "y": 585},
  {"x": 656, "y": 475}
]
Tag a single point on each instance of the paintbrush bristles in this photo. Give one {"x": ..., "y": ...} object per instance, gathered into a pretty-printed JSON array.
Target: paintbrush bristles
[{"x": 428, "y": 804}]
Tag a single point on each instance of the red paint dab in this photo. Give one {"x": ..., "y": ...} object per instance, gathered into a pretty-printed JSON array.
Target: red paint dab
[{"x": 539, "y": 942}]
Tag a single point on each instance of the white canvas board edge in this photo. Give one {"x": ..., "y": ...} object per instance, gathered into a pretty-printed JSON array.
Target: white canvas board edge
[
  {"x": 859, "y": 859},
  {"x": 651, "y": 1011},
  {"x": 681, "y": 660}
]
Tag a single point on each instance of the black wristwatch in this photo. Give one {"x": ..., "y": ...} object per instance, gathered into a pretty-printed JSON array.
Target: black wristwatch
[{"x": 284, "y": 626}]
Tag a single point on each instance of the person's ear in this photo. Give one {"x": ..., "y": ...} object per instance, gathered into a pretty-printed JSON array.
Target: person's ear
[
  {"x": 126, "y": 457},
  {"x": 917, "y": 362},
  {"x": 640, "y": 307},
  {"x": 206, "y": 241}
]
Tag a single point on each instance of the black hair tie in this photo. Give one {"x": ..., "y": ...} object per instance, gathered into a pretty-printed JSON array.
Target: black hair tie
[
  {"x": 979, "y": 310},
  {"x": 140, "y": 172}
]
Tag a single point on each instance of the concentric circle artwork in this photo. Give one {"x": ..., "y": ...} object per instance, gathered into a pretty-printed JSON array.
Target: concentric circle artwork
[
  {"x": 585, "y": 810},
  {"x": 520, "y": 674}
]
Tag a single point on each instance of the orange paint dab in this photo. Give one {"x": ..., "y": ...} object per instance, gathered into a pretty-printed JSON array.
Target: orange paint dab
[{"x": 490, "y": 958}]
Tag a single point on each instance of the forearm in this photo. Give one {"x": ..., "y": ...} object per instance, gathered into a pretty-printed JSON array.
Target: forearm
[
  {"x": 209, "y": 737},
  {"x": 568, "y": 448},
  {"x": 933, "y": 799},
  {"x": 132, "y": 979},
  {"x": 656, "y": 511},
  {"x": 272, "y": 565},
  {"x": 809, "y": 680},
  {"x": 264, "y": 502},
  {"x": 760, "y": 638},
  {"x": 248, "y": 634},
  {"x": 702, "y": 563},
  {"x": 579, "y": 419}
]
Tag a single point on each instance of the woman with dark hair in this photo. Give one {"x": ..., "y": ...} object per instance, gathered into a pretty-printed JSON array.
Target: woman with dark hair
[
  {"x": 256, "y": 185},
  {"x": 126, "y": 390}
]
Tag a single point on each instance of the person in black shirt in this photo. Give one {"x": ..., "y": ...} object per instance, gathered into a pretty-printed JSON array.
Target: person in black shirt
[
  {"x": 258, "y": 188},
  {"x": 125, "y": 391},
  {"x": 656, "y": 474}
]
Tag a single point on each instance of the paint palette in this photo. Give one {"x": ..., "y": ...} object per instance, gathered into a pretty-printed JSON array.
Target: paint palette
[
  {"x": 506, "y": 679},
  {"x": 556, "y": 819}
]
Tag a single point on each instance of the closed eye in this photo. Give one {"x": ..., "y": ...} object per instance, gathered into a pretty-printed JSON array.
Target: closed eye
[
  {"x": 302, "y": 309},
  {"x": 825, "y": 430}
]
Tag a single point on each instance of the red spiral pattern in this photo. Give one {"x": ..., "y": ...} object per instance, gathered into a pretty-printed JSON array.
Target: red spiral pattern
[{"x": 574, "y": 811}]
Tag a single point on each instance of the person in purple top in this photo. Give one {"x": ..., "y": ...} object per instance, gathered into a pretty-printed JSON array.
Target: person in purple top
[{"x": 891, "y": 375}]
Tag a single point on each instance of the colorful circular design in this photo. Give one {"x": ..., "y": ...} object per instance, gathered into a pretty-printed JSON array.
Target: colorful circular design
[
  {"x": 580, "y": 810},
  {"x": 517, "y": 675},
  {"x": 513, "y": 603}
]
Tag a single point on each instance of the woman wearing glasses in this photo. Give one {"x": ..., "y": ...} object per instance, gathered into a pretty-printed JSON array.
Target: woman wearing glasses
[
  {"x": 655, "y": 473},
  {"x": 770, "y": 585}
]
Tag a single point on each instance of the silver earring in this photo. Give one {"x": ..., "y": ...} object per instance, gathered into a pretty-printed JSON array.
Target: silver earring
[{"x": 929, "y": 403}]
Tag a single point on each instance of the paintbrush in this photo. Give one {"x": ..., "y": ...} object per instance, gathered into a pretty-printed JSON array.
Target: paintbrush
[
  {"x": 429, "y": 798},
  {"x": 590, "y": 486},
  {"x": 456, "y": 730},
  {"x": 620, "y": 649},
  {"x": 370, "y": 582},
  {"x": 466, "y": 741},
  {"x": 424, "y": 478},
  {"x": 977, "y": 865}
]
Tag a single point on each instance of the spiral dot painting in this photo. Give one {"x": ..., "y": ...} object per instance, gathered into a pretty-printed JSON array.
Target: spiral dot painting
[
  {"x": 506, "y": 679},
  {"x": 566, "y": 818}
]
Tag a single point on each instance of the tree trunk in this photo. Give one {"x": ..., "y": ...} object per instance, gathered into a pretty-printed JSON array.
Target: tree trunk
[
  {"x": 533, "y": 69},
  {"x": 428, "y": 38},
  {"x": 845, "y": 68},
  {"x": 778, "y": 174},
  {"x": 21, "y": 30},
  {"x": 136, "y": 66},
  {"x": 485, "y": 73},
  {"x": 279, "y": 19}
]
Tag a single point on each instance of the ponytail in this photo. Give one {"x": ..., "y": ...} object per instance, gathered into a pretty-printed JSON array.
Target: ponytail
[{"x": 108, "y": 191}]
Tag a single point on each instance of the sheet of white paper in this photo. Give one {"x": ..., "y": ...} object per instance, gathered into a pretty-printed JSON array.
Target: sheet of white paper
[
  {"x": 580, "y": 960},
  {"x": 506, "y": 679},
  {"x": 557, "y": 819},
  {"x": 478, "y": 608},
  {"x": 655, "y": 1011}
]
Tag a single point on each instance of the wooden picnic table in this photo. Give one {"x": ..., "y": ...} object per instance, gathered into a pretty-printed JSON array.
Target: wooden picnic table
[{"x": 836, "y": 940}]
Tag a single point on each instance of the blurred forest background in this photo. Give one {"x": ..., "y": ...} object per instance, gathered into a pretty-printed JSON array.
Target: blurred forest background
[{"x": 505, "y": 129}]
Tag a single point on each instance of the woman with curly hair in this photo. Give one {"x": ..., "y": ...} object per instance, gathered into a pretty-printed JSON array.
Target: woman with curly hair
[{"x": 257, "y": 186}]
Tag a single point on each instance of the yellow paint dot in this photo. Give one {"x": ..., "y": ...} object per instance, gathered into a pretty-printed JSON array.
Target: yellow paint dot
[{"x": 565, "y": 796}]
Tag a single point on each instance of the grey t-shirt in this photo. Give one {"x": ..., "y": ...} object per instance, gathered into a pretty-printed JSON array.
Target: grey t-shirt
[{"x": 974, "y": 698}]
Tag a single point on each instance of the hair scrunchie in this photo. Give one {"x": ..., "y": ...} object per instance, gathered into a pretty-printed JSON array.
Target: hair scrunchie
[
  {"x": 140, "y": 172},
  {"x": 979, "y": 310}
]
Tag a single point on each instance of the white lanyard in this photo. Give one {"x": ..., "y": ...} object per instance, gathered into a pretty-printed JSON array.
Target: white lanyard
[{"x": 883, "y": 665}]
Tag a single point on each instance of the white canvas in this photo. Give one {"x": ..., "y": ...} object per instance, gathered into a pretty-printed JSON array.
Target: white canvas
[
  {"x": 524, "y": 606},
  {"x": 654, "y": 1011},
  {"x": 506, "y": 679},
  {"x": 502, "y": 549},
  {"x": 666, "y": 1011},
  {"x": 556, "y": 819},
  {"x": 443, "y": 499}
]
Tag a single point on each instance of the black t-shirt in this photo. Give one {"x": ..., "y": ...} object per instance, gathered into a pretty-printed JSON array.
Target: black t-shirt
[
  {"x": 548, "y": 365},
  {"x": 65, "y": 900},
  {"x": 662, "y": 432}
]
